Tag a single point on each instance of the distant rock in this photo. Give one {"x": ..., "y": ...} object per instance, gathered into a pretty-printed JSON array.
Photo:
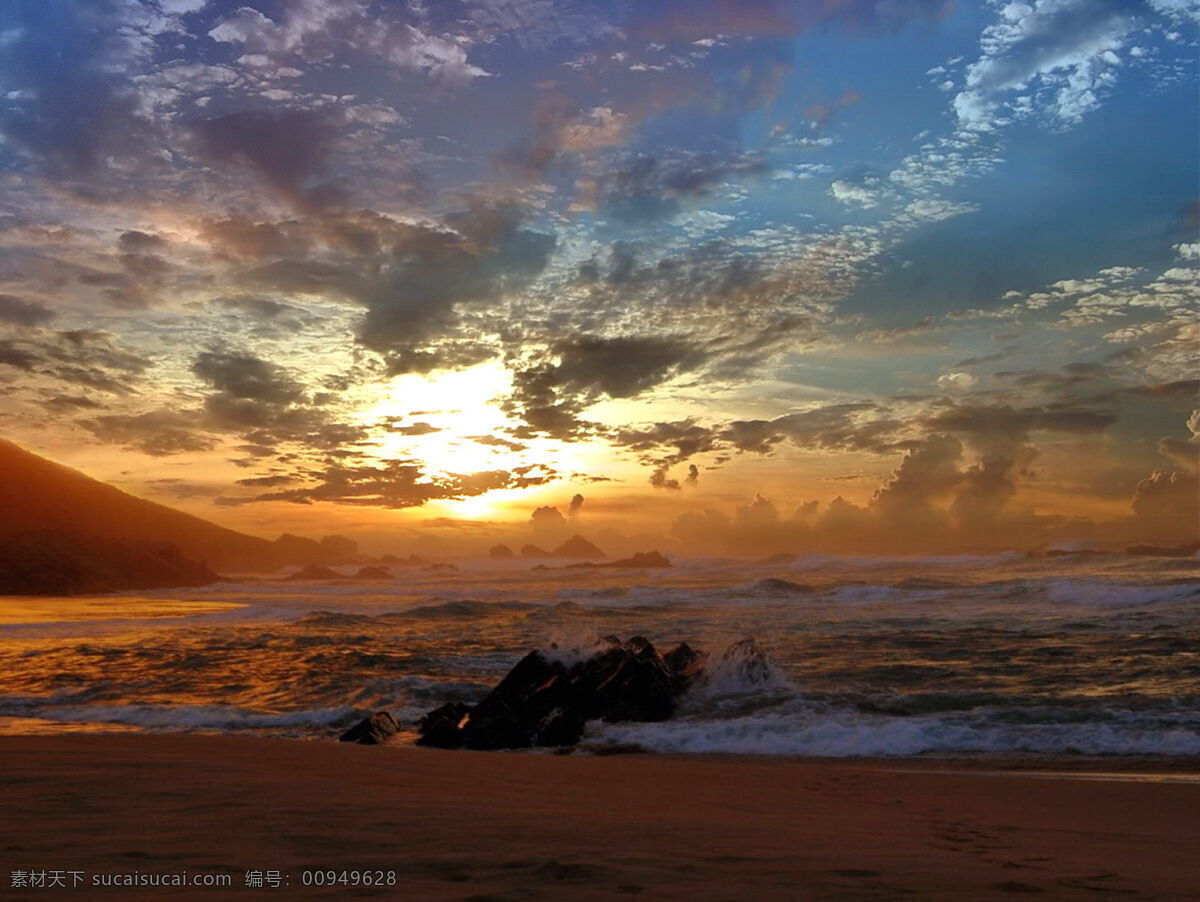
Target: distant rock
[
  {"x": 372, "y": 572},
  {"x": 500, "y": 552},
  {"x": 533, "y": 551},
  {"x": 312, "y": 571},
  {"x": 413, "y": 560},
  {"x": 579, "y": 548},
  {"x": 641, "y": 560},
  {"x": 375, "y": 730},
  {"x": 340, "y": 550},
  {"x": 52, "y": 562}
]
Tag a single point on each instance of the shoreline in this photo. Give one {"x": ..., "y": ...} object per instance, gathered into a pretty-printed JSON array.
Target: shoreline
[{"x": 460, "y": 825}]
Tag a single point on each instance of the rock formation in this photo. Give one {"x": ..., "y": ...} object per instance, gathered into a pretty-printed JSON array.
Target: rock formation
[{"x": 545, "y": 701}]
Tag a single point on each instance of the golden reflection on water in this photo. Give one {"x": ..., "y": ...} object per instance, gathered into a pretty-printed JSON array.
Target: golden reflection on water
[{"x": 25, "y": 610}]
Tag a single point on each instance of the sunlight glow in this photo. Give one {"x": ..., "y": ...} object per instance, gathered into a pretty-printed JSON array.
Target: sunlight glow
[{"x": 450, "y": 421}]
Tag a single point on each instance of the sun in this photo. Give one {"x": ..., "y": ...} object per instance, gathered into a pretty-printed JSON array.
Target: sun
[{"x": 449, "y": 421}]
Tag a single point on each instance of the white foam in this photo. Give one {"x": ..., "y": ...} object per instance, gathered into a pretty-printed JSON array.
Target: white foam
[
  {"x": 1106, "y": 592},
  {"x": 189, "y": 717},
  {"x": 848, "y": 734}
]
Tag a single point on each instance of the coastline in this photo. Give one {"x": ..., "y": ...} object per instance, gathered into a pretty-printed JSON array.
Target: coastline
[{"x": 498, "y": 826}]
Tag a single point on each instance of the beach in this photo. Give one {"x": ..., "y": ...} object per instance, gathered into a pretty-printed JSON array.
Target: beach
[{"x": 507, "y": 826}]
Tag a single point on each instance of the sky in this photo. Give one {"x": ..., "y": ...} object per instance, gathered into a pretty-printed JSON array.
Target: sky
[{"x": 861, "y": 275}]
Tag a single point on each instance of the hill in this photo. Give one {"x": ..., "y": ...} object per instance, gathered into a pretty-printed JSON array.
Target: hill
[{"x": 37, "y": 495}]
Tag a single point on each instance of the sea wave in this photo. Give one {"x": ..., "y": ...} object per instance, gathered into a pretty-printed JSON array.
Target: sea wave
[{"x": 848, "y": 734}]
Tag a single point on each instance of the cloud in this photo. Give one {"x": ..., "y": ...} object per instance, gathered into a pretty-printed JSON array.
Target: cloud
[
  {"x": 69, "y": 104},
  {"x": 246, "y": 377},
  {"x": 694, "y": 20},
  {"x": 88, "y": 358},
  {"x": 641, "y": 187},
  {"x": 287, "y": 148},
  {"x": 158, "y": 433},
  {"x": 397, "y": 484},
  {"x": 17, "y": 312},
  {"x": 1066, "y": 46},
  {"x": 316, "y": 30},
  {"x": 580, "y": 371}
]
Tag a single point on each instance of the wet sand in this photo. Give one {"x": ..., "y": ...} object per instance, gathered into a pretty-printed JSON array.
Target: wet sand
[{"x": 492, "y": 826}]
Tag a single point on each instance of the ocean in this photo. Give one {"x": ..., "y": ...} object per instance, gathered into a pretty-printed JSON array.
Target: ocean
[{"x": 1088, "y": 654}]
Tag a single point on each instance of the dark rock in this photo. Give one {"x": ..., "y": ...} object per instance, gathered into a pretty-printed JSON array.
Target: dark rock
[
  {"x": 533, "y": 551},
  {"x": 372, "y": 572},
  {"x": 500, "y": 552},
  {"x": 544, "y": 702},
  {"x": 374, "y": 730},
  {"x": 562, "y": 726},
  {"x": 626, "y": 682},
  {"x": 312, "y": 571},
  {"x": 641, "y": 560},
  {"x": 579, "y": 548},
  {"x": 683, "y": 663},
  {"x": 441, "y": 727},
  {"x": 510, "y": 715},
  {"x": 742, "y": 664}
]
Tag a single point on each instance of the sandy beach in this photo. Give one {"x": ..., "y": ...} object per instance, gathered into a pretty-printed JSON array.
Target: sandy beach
[{"x": 494, "y": 826}]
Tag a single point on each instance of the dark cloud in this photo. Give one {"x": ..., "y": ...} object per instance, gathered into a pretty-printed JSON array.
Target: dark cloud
[
  {"x": 246, "y": 377},
  {"x": 288, "y": 149},
  {"x": 856, "y": 426},
  {"x": 266, "y": 481},
  {"x": 83, "y": 357},
  {"x": 135, "y": 242},
  {"x": 412, "y": 278},
  {"x": 17, "y": 312},
  {"x": 578, "y": 372},
  {"x": 158, "y": 433},
  {"x": 641, "y": 187},
  {"x": 399, "y": 484}
]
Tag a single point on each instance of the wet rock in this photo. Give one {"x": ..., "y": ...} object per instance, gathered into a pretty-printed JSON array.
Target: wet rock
[
  {"x": 374, "y": 730},
  {"x": 546, "y": 702},
  {"x": 684, "y": 664},
  {"x": 440, "y": 728},
  {"x": 742, "y": 666},
  {"x": 562, "y": 726}
]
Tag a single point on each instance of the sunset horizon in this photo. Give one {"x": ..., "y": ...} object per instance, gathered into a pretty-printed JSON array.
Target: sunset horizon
[{"x": 857, "y": 272}]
